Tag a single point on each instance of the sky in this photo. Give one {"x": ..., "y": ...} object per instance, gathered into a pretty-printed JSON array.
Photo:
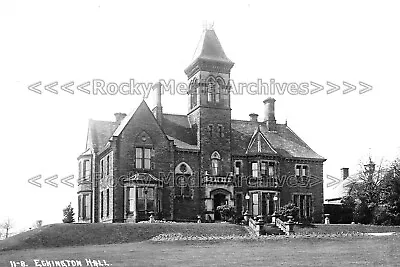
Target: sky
[{"x": 288, "y": 41}]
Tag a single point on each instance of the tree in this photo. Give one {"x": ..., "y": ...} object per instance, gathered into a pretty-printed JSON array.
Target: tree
[
  {"x": 68, "y": 214},
  {"x": 7, "y": 225},
  {"x": 374, "y": 194},
  {"x": 37, "y": 224}
]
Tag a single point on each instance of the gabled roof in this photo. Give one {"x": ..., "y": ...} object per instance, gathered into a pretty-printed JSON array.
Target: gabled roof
[
  {"x": 99, "y": 133},
  {"x": 126, "y": 120},
  {"x": 259, "y": 144},
  {"x": 284, "y": 141},
  {"x": 210, "y": 48},
  {"x": 178, "y": 127}
]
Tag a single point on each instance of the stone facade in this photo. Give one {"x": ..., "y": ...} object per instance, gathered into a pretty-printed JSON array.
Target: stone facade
[{"x": 179, "y": 167}]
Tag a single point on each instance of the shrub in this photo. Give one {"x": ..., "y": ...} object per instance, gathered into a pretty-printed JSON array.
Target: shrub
[
  {"x": 227, "y": 212},
  {"x": 289, "y": 209}
]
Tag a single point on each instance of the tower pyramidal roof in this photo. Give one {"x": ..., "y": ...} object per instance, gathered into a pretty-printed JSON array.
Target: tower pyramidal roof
[{"x": 209, "y": 49}]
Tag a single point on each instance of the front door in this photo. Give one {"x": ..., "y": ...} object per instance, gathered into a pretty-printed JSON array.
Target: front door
[{"x": 219, "y": 199}]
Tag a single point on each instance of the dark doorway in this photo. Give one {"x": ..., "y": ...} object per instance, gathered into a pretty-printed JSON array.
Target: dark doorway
[{"x": 219, "y": 199}]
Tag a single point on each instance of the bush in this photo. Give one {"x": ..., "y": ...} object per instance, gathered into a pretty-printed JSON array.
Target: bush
[
  {"x": 227, "y": 212},
  {"x": 289, "y": 209}
]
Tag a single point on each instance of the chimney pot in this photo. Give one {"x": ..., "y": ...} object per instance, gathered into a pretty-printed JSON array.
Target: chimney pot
[
  {"x": 253, "y": 117},
  {"x": 269, "y": 113},
  {"x": 344, "y": 173},
  {"x": 119, "y": 117}
]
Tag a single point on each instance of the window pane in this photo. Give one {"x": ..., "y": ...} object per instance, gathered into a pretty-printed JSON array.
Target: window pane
[
  {"x": 150, "y": 193},
  {"x": 217, "y": 93},
  {"x": 254, "y": 167},
  {"x": 214, "y": 166},
  {"x": 139, "y": 152},
  {"x": 140, "y": 205},
  {"x": 150, "y": 205},
  {"x": 140, "y": 192},
  {"x": 147, "y": 153},
  {"x": 255, "y": 204},
  {"x": 147, "y": 164},
  {"x": 298, "y": 170},
  {"x": 131, "y": 199},
  {"x": 263, "y": 168},
  {"x": 305, "y": 171}
]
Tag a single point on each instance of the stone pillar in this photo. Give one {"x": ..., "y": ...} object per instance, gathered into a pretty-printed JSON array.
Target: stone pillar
[
  {"x": 327, "y": 221},
  {"x": 246, "y": 216}
]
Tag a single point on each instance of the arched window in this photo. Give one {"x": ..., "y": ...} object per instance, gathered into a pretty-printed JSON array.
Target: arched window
[
  {"x": 215, "y": 159},
  {"x": 210, "y": 91},
  {"x": 193, "y": 93},
  {"x": 217, "y": 92}
]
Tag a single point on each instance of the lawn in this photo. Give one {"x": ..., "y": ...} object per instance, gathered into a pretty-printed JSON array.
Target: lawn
[
  {"x": 134, "y": 245},
  {"x": 345, "y": 251},
  {"x": 60, "y": 235},
  {"x": 344, "y": 228}
]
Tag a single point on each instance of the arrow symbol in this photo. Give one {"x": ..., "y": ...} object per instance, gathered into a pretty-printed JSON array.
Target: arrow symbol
[
  {"x": 333, "y": 89},
  {"x": 334, "y": 181},
  {"x": 33, "y": 180},
  {"x": 50, "y": 180},
  {"x": 82, "y": 87},
  {"x": 49, "y": 87},
  {"x": 366, "y": 88},
  {"x": 66, "y": 179},
  {"x": 66, "y": 86},
  {"x": 350, "y": 88},
  {"x": 317, "y": 89},
  {"x": 33, "y": 88},
  {"x": 315, "y": 181}
]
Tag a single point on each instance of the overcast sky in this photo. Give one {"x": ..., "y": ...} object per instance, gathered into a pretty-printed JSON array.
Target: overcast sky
[{"x": 289, "y": 41}]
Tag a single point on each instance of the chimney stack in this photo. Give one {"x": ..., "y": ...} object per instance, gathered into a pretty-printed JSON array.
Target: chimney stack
[
  {"x": 158, "y": 109},
  {"x": 344, "y": 172},
  {"x": 269, "y": 113},
  {"x": 253, "y": 117},
  {"x": 119, "y": 117}
]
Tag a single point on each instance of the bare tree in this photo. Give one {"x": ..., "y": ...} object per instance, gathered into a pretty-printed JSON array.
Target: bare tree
[{"x": 7, "y": 225}]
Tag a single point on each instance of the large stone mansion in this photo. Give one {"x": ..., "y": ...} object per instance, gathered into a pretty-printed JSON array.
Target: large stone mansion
[{"x": 180, "y": 167}]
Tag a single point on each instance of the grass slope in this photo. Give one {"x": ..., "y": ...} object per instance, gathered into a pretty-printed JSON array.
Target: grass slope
[
  {"x": 358, "y": 251},
  {"x": 61, "y": 235},
  {"x": 344, "y": 228}
]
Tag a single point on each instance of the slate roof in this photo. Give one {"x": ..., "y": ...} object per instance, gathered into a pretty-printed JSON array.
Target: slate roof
[
  {"x": 248, "y": 137},
  {"x": 210, "y": 48},
  {"x": 284, "y": 141},
  {"x": 100, "y": 132},
  {"x": 182, "y": 145},
  {"x": 178, "y": 127}
]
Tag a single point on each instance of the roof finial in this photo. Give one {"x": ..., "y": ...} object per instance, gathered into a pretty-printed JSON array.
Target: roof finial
[{"x": 208, "y": 25}]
